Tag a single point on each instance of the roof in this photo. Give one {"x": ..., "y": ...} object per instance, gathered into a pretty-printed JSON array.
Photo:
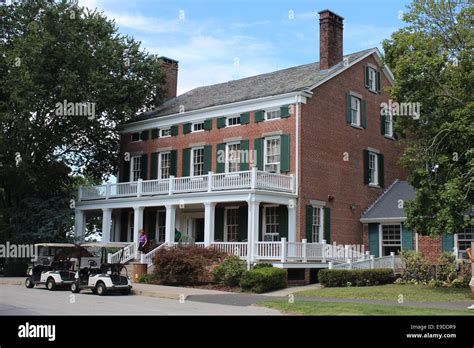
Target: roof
[
  {"x": 56, "y": 245},
  {"x": 299, "y": 78},
  {"x": 387, "y": 204}
]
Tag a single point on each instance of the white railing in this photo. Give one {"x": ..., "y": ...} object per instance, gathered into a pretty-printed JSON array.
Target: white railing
[
  {"x": 148, "y": 258},
  {"x": 123, "y": 255},
  {"x": 239, "y": 249},
  {"x": 250, "y": 179},
  {"x": 392, "y": 261},
  {"x": 296, "y": 250},
  {"x": 268, "y": 250}
]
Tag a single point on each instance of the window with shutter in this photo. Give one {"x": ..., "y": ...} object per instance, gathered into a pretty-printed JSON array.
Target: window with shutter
[
  {"x": 327, "y": 224},
  {"x": 285, "y": 153},
  {"x": 245, "y": 157},
  {"x": 174, "y": 131},
  {"x": 220, "y": 158},
  {"x": 221, "y": 122},
  {"x": 259, "y": 115},
  {"x": 186, "y": 162},
  {"x": 155, "y": 133},
  {"x": 207, "y": 159},
  {"x": 143, "y": 169},
  {"x": 173, "y": 162},
  {"x": 186, "y": 128},
  {"x": 154, "y": 166},
  {"x": 244, "y": 118},
  {"x": 208, "y": 124},
  {"x": 144, "y": 135},
  {"x": 258, "y": 147},
  {"x": 285, "y": 111}
]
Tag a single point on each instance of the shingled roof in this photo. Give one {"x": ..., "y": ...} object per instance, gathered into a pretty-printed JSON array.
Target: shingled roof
[
  {"x": 387, "y": 205},
  {"x": 289, "y": 80}
]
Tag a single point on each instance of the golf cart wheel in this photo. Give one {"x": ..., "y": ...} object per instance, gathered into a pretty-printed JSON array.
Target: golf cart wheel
[
  {"x": 126, "y": 292},
  {"x": 94, "y": 291},
  {"x": 29, "y": 283},
  {"x": 101, "y": 289},
  {"x": 51, "y": 284},
  {"x": 75, "y": 288}
]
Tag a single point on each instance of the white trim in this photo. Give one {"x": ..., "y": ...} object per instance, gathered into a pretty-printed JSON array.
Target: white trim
[
  {"x": 132, "y": 165},
  {"x": 195, "y": 124},
  {"x": 160, "y": 164},
  {"x": 381, "y": 236},
  {"x": 191, "y": 165},
  {"x": 265, "y": 151},
  {"x": 316, "y": 203},
  {"x": 216, "y": 111},
  {"x": 227, "y": 163},
  {"x": 224, "y": 237},
  {"x": 383, "y": 220},
  {"x": 163, "y": 129},
  {"x": 264, "y": 215}
]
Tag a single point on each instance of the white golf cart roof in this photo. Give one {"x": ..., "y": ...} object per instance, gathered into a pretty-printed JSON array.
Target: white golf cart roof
[
  {"x": 104, "y": 245},
  {"x": 57, "y": 245}
]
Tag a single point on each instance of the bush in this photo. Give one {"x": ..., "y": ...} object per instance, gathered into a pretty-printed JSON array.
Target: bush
[
  {"x": 229, "y": 271},
  {"x": 446, "y": 270},
  {"x": 186, "y": 264},
  {"x": 145, "y": 278},
  {"x": 263, "y": 279},
  {"x": 262, "y": 265},
  {"x": 417, "y": 267},
  {"x": 358, "y": 277}
]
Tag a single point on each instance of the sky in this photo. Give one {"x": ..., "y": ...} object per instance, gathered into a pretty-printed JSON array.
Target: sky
[{"x": 217, "y": 41}]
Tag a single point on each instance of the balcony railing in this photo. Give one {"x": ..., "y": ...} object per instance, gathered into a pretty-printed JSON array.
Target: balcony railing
[{"x": 250, "y": 179}]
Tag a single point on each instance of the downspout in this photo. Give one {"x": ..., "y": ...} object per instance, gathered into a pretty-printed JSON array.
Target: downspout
[{"x": 297, "y": 138}]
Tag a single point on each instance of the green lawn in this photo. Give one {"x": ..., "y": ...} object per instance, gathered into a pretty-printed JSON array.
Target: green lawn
[
  {"x": 337, "y": 308},
  {"x": 391, "y": 292}
]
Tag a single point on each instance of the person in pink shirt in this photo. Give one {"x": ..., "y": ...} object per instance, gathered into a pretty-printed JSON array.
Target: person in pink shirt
[{"x": 142, "y": 241}]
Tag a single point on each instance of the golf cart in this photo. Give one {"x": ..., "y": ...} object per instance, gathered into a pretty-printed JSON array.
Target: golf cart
[
  {"x": 54, "y": 267},
  {"x": 96, "y": 274}
]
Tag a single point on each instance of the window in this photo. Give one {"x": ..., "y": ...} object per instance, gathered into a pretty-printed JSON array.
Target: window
[
  {"x": 231, "y": 225},
  {"x": 389, "y": 125},
  {"x": 391, "y": 239},
  {"x": 232, "y": 162},
  {"x": 316, "y": 226},
  {"x": 164, "y": 165},
  {"x": 355, "y": 111},
  {"x": 272, "y": 114},
  {"x": 135, "y": 137},
  {"x": 135, "y": 168},
  {"x": 233, "y": 121},
  {"x": 197, "y": 127},
  {"x": 372, "y": 79},
  {"x": 465, "y": 239},
  {"x": 165, "y": 132},
  {"x": 197, "y": 161},
  {"x": 271, "y": 226},
  {"x": 272, "y": 155},
  {"x": 160, "y": 226},
  {"x": 373, "y": 169}
]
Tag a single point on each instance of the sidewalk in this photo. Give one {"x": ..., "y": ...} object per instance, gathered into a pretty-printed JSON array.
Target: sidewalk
[{"x": 171, "y": 292}]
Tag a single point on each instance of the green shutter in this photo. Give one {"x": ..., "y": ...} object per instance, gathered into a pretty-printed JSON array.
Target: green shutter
[
  {"x": 258, "y": 147},
  {"x": 186, "y": 162},
  {"x": 366, "y": 76},
  {"x": 285, "y": 111},
  {"x": 220, "y": 158},
  {"x": 309, "y": 223},
  {"x": 154, "y": 166},
  {"x": 155, "y": 133},
  {"x": 374, "y": 240},
  {"x": 173, "y": 162},
  {"x": 447, "y": 242},
  {"x": 219, "y": 225},
  {"x": 186, "y": 128},
  {"x": 144, "y": 135},
  {"x": 327, "y": 224},
  {"x": 365, "y": 155},
  {"x": 283, "y": 221},
  {"x": 244, "y": 118},
  {"x": 407, "y": 238},
  {"x": 208, "y": 124},
  {"x": 125, "y": 177},
  {"x": 244, "y": 155},
  {"x": 135, "y": 136},
  {"x": 243, "y": 211},
  {"x": 143, "y": 167},
  {"x": 174, "y": 130},
  {"x": 207, "y": 159},
  {"x": 259, "y": 116},
  {"x": 363, "y": 117},
  {"x": 383, "y": 118},
  {"x": 348, "y": 108},
  {"x": 221, "y": 122},
  {"x": 377, "y": 82},
  {"x": 381, "y": 170},
  {"x": 285, "y": 153}
]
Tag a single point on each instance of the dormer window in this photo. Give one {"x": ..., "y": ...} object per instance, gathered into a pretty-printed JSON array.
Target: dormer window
[
  {"x": 233, "y": 121},
  {"x": 165, "y": 132},
  {"x": 197, "y": 127},
  {"x": 272, "y": 114}
]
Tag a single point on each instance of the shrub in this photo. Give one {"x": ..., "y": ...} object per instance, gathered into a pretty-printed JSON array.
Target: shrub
[
  {"x": 186, "y": 264},
  {"x": 262, "y": 265},
  {"x": 446, "y": 270},
  {"x": 358, "y": 277},
  {"x": 145, "y": 278},
  {"x": 417, "y": 267},
  {"x": 229, "y": 271},
  {"x": 435, "y": 283},
  {"x": 263, "y": 279}
]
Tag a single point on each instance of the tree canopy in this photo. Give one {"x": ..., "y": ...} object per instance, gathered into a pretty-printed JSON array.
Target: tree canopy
[
  {"x": 56, "y": 54},
  {"x": 431, "y": 59}
]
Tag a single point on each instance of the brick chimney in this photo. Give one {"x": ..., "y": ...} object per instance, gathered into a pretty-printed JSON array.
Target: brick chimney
[
  {"x": 330, "y": 39},
  {"x": 170, "y": 67}
]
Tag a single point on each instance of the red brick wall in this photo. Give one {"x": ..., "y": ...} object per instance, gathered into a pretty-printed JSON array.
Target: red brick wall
[
  {"x": 325, "y": 137},
  {"x": 430, "y": 247},
  {"x": 213, "y": 137}
]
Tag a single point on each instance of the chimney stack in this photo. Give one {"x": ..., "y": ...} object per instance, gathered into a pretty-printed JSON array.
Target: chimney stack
[
  {"x": 170, "y": 67},
  {"x": 330, "y": 39}
]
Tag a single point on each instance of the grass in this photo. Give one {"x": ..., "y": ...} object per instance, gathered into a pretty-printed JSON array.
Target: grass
[
  {"x": 338, "y": 308},
  {"x": 391, "y": 292}
]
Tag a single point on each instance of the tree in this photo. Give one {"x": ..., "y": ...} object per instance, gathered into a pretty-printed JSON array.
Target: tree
[
  {"x": 68, "y": 79},
  {"x": 431, "y": 59}
]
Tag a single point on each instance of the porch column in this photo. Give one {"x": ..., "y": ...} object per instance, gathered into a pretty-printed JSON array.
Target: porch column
[
  {"x": 79, "y": 224},
  {"x": 209, "y": 214},
  {"x": 137, "y": 225},
  {"x": 106, "y": 224},
  {"x": 252, "y": 230},
  {"x": 170, "y": 223},
  {"x": 292, "y": 220}
]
